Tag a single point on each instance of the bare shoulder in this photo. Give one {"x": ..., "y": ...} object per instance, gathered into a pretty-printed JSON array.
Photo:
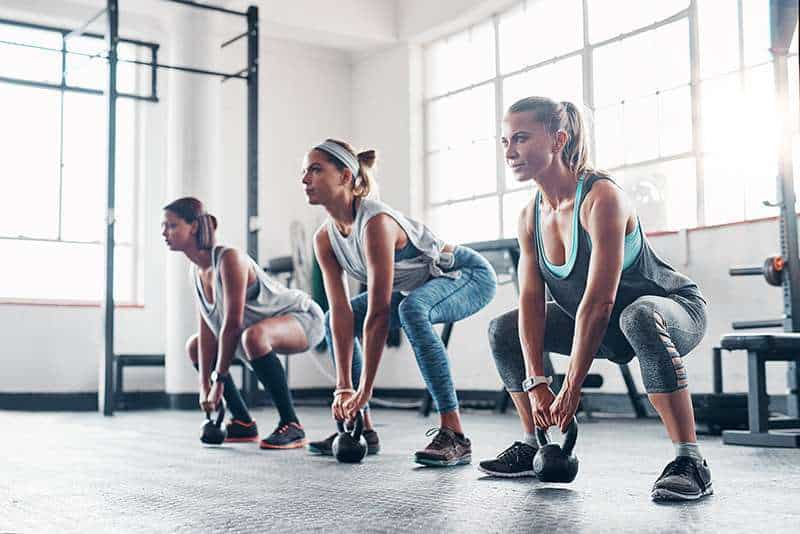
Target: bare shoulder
[
  {"x": 321, "y": 238},
  {"x": 233, "y": 259},
  {"x": 607, "y": 196},
  {"x": 381, "y": 225}
]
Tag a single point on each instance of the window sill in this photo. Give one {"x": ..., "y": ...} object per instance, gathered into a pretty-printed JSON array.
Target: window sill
[
  {"x": 66, "y": 303},
  {"x": 659, "y": 233}
]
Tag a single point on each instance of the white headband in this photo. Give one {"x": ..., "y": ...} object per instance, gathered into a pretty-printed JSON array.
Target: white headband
[{"x": 339, "y": 152}]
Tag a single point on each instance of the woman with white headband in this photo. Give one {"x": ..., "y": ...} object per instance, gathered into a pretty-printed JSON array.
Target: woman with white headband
[{"x": 414, "y": 280}]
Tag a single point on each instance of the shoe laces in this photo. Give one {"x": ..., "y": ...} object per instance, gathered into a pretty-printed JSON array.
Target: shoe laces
[
  {"x": 282, "y": 429},
  {"x": 680, "y": 466},
  {"x": 515, "y": 452},
  {"x": 440, "y": 440}
]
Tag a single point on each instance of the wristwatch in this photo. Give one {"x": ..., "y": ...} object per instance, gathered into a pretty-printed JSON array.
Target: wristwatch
[
  {"x": 216, "y": 376},
  {"x": 533, "y": 381}
]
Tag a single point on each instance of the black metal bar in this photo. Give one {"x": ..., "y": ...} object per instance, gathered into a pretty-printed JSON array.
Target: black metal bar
[
  {"x": 106, "y": 392},
  {"x": 225, "y": 79},
  {"x": 80, "y": 30},
  {"x": 757, "y": 400},
  {"x": 138, "y": 97},
  {"x": 39, "y": 47},
  {"x": 154, "y": 73},
  {"x": 70, "y": 88},
  {"x": 252, "y": 132},
  {"x": 233, "y": 40},
  {"x": 192, "y": 70},
  {"x": 745, "y": 271},
  {"x": 208, "y": 6},
  {"x": 75, "y": 52},
  {"x": 763, "y": 323},
  {"x": 716, "y": 366}
]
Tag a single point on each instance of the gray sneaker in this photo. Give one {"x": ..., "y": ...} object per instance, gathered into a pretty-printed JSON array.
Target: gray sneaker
[
  {"x": 684, "y": 479},
  {"x": 445, "y": 449}
]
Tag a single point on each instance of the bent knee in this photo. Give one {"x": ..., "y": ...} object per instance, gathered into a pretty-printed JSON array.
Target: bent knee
[
  {"x": 641, "y": 317},
  {"x": 412, "y": 310},
  {"x": 500, "y": 328},
  {"x": 255, "y": 343},
  {"x": 191, "y": 347}
]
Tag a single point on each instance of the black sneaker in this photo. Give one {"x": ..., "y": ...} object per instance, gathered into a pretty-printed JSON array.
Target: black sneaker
[
  {"x": 324, "y": 447},
  {"x": 684, "y": 479},
  {"x": 445, "y": 449},
  {"x": 285, "y": 436},
  {"x": 515, "y": 461},
  {"x": 240, "y": 432}
]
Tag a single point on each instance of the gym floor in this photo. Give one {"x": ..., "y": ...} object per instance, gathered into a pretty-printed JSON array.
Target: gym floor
[{"x": 147, "y": 472}]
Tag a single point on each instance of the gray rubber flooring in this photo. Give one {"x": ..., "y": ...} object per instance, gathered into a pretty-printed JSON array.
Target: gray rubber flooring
[{"x": 148, "y": 472}]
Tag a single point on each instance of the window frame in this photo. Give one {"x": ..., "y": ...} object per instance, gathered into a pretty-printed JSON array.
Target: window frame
[
  {"x": 696, "y": 150},
  {"x": 63, "y": 87}
]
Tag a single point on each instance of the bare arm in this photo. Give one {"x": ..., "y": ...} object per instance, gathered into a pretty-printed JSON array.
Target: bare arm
[
  {"x": 381, "y": 234},
  {"x": 531, "y": 297},
  {"x": 341, "y": 313},
  {"x": 233, "y": 269},
  {"x": 606, "y": 216},
  {"x": 206, "y": 354}
]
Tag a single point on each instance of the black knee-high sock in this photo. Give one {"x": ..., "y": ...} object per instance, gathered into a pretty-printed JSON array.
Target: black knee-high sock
[
  {"x": 271, "y": 374},
  {"x": 233, "y": 399}
]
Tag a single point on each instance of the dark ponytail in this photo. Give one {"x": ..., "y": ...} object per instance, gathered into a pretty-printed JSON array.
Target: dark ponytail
[{"x": 192, "y": 210}]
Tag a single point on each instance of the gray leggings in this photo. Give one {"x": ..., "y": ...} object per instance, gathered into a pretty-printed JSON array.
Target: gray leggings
[{"x": 659, "y": 331}]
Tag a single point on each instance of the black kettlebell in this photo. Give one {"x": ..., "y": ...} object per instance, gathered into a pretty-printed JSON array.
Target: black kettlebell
[
  {"x": 554, "y": 463},
  {"x": 213, "y": 432},
  {"x": 350, "y": 447}
]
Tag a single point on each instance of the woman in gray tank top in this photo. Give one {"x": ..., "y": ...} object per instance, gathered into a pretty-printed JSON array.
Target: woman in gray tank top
[
  {"x": 414, "y": 280},
  {"x": 613, "y": 297},
  {"x": 243, "y": 313}
]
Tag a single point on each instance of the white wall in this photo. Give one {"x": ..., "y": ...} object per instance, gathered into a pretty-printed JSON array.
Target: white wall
[
  {"x": 305, "y": 96},
  {"x": 57, "y": 349}
]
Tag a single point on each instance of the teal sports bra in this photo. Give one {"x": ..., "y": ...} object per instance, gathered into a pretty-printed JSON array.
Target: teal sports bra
[{"x": 633, "y": 240}]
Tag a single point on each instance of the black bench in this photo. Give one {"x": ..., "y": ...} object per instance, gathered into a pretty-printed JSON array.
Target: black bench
[
  {"x": 764, "y": 431},
  {"x": 121, "y": 361}
]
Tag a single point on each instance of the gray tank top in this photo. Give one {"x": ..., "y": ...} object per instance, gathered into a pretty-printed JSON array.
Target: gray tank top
[
  {"x": 265, "y": 298},
  {"x": 647, "y": 275},
  {"x": 409, "y": 273}
]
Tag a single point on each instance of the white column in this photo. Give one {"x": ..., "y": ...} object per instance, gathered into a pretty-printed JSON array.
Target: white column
[{"x": 193, "y": 103}]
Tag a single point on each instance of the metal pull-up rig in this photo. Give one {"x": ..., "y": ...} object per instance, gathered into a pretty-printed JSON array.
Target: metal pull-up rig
[{"x": 248, "y": 74}]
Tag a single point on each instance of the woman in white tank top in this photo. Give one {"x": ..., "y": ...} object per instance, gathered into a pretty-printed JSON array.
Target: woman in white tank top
[
  {"x": 414, "y": 280},
  {"x": 242, "y": 313}
]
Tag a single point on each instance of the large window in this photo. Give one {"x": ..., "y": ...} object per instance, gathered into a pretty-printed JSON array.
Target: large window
[
  {"x": 687, "y": 128},
  {"x": 53, "y": 166}
]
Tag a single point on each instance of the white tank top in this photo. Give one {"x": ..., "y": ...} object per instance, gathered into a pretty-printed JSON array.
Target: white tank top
[
  {"x": 410, "y": 273},
  {"x": 265, "y": 298}
]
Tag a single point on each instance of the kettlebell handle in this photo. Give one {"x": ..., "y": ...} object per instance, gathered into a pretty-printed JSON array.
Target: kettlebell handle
[
  {"x": 359, "y": 426},
  {"x": 220, "y": 415},
  {"x": 570, "y": 437}
]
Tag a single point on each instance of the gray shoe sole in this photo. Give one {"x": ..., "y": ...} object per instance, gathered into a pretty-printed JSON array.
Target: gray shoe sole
[
  {"x": 464, "y": 460},
  {"x": 665, "y": 495},
  {"x": 500, "y": 474}
]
